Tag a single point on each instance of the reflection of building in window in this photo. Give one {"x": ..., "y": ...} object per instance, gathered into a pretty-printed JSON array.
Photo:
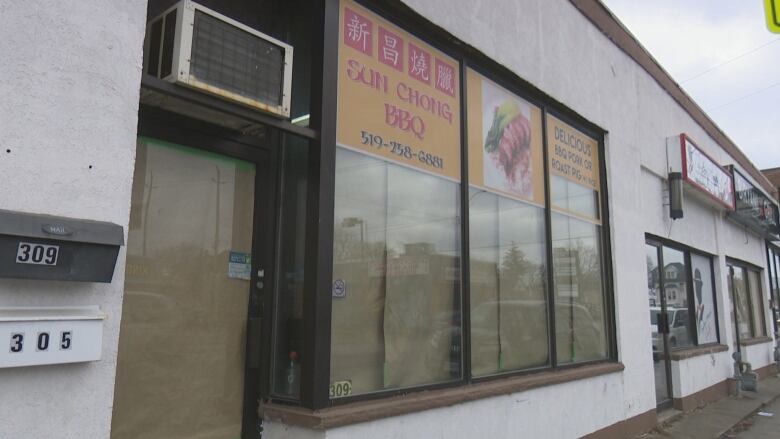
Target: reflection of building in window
[{"x": 675, "y": 285}]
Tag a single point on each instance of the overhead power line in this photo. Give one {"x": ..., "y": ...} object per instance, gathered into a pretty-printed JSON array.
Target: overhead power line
[
  {"x": 728, "y": 61},
  {"x": 744, "y": 97}
]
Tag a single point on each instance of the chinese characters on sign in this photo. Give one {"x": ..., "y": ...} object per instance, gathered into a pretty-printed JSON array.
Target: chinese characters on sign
[
  {"x": 358, "y": 32},
  {"x": 398, "y": 97},
  {"x": 419, "y": 64},
  {"x": 391, "y": 49},
  {"x": 445, "y": 77},
  {"x": 704, "y": 174}
]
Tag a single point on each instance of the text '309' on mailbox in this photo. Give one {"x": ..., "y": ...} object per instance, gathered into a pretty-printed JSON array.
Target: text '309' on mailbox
[{"x": 36, "y": 246}]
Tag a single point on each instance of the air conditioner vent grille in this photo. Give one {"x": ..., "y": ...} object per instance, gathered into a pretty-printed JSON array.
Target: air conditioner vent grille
[{"x": 229, "y": 58}]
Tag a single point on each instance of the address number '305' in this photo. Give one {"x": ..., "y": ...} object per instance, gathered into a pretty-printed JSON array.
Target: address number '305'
[
  {"x": 42, "y": 341},
  {"x": 38, "y": 254}
]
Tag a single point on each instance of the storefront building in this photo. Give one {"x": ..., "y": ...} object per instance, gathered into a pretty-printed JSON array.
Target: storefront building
[{"x": 352, "y": 219}]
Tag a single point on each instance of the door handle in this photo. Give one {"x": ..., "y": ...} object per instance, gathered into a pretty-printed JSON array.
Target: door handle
[{"x": 260, "y": 277}]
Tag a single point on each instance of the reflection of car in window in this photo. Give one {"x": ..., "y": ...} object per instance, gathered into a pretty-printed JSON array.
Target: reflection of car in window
[{"x": 678, "y": 327}]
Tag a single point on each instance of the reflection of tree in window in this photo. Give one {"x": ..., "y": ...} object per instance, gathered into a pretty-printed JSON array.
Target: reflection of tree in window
[
  {"x": 579, "y": 308},
  {"x": 508, "y": 294}
]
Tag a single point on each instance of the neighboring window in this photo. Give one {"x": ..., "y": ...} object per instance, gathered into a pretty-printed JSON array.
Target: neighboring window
[
  {"x": 776, "y": 297},
  {"x": 690, "y": 305},
  {"x": 745, "y": 284},
  {"x": 773, "y": 259},
  {"x": 704, "y": 299},
  {"x": 577, "y": 254},
  {"x": 509, "y": 329},
  {"x": 739, "y": 293},
  {"x": 757, "y": 303}
]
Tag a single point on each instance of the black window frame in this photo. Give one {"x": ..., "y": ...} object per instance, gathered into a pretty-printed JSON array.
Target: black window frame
[
  {"x": 660, "y": 243},
  {"x": 319, "y": 265}
]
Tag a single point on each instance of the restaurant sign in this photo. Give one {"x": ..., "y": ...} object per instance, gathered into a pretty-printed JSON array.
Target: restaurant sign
[
  {"x": 753, "y": 208},
  {"x": 703, "y": 173},
  {"x": 398, "y": 97}
]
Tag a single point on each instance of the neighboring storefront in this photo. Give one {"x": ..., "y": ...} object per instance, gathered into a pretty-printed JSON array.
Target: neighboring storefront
[{"x": 353, "y": 219}]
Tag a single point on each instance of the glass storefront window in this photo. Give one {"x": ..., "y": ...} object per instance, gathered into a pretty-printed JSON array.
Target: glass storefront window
[
  {"x": 580, "y": 323},
  {"x": 573, "y": 197},
  {"x": 703, "y": 294},
  {"x": 580, "y": 320},
  {"x": 748, "y": 299},
  {"x": 508, "y": 295},
  {"x": 288, "y": 310},
  {"x": 509, "y": 328},
  {"x": 396, "y": 305},
  {"x": 396, "y": 275},
  {"x": 684, "y": 286},
  {"x": 397, "y": 308}
]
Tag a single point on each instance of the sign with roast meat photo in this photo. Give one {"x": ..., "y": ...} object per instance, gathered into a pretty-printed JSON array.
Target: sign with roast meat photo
[{"x": 505, "y": 141}]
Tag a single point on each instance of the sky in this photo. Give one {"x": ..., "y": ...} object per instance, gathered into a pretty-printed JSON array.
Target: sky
[{"x": 713, "y": 49}]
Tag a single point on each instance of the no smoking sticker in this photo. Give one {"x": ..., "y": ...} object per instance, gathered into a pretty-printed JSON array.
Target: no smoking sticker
[{"x": 339, "y": 288}]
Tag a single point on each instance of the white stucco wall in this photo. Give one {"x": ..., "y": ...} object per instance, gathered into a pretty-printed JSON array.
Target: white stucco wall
[
  {"x": 695, "y": 374},
  {"x": 69, "y": 82},
  {"x": 758, "y": 355}
]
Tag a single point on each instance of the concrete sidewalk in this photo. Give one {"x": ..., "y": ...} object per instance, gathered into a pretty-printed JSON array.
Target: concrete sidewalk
[
  {"x": 758, "y": 426},
  {"x": 715, "y": 420}
]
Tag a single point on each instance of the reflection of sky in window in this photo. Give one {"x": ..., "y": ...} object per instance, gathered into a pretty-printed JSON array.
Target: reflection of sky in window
[
  {"x": 395, "y": 204},
  {"x": 497, "y": 223},
  {"x": 198, "y": 189},
  {"x": 573, "y": 197},
  {"x": 566, "y": 228},
  {"x": 672, "y": 256}
]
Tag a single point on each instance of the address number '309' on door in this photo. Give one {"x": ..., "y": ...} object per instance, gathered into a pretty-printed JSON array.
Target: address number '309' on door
[{"x": 38, "y": 254}]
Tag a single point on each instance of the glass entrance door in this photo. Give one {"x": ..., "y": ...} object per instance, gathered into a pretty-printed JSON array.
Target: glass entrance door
[
  {"x": 658, "y": 327},
  {"x": 181, "y": 363}
]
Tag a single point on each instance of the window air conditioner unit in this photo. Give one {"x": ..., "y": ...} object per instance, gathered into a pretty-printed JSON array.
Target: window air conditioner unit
[{"x": 194, "y": 46}]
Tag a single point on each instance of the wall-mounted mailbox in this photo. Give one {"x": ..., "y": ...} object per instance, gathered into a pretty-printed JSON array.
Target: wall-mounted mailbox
[
  {"x": 34, "y": 246},
  {"x": 37, "y": 336}
]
